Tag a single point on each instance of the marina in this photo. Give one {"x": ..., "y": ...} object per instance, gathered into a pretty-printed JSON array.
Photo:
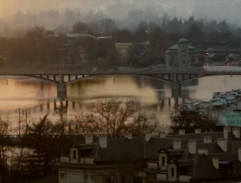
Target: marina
[{"x": 229, "y": 100}]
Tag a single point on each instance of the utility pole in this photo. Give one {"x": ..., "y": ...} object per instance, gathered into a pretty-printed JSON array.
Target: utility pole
[
  {"x": 25, "y": 114},
  {"x": 19, "y": 121}
]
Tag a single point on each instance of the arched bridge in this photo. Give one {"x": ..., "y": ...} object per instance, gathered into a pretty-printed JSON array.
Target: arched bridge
[{"x": 175, "y": 76}]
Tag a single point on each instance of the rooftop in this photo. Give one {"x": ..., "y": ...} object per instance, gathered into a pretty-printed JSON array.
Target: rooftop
[
  {"x": 175, "y": 47},
  {"x": 182, "y": 40}
]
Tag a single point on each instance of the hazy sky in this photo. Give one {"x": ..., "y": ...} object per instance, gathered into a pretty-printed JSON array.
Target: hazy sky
[
  {"x": 208, "y": 9},
  {"x": 229, "y": 9}
]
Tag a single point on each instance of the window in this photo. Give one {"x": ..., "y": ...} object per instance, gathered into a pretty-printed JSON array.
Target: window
[
  {"x": 163, "y": 161},
  {"x": 62, "y": 175},
  {"x": 123, "y": 179},
  {"x": 172, "y": 60},
  {"x": 172, "y": 171},
  {"x": 108, "y": 180},
  {"x": 137, "y": 179},
  {"x": 74, "y": 154}
]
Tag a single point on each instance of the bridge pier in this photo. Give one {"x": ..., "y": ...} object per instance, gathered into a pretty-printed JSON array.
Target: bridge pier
[
  {"x": 73, "y": 104},
  {"x": 176, "y": 89},
  {"x": 48, "y": 106},
  {"x": 61, "y": 91},
  {"x": 176, "y": 93}
]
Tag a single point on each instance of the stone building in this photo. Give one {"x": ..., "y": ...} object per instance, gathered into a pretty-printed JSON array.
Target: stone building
[
  {"x": 85, "y": 48},
  {"x": 181, "y": 55},
  {"x": 154, "y": 158},
  {"x": 111, "y": 160}
]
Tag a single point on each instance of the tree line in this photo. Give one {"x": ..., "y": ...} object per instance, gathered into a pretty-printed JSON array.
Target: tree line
[{"x": 39, "y": 45}]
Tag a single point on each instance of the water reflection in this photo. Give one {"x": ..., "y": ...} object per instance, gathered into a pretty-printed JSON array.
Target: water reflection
[
  {"x": 207, "y": 85},
  {"x": 24, "y": 92},
  {"x": 154, "y": 96},
  {"x": 112, "y": 87}
]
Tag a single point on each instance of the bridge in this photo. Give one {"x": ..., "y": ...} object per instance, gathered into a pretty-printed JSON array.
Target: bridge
[{"x": 174, "y": 76}]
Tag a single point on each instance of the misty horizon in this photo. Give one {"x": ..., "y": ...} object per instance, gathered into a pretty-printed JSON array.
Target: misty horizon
[{"x": 56, "y": 14}]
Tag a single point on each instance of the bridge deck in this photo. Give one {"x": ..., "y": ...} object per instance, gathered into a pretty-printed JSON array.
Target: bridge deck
[{"x": 209, "y": 70}]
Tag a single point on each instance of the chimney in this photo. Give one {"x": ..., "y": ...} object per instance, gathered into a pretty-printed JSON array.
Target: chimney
[
  {"x": 223, "y": 144},
  {"x": 148, "y": 137},
  {"x": 89, "y": 139},
  {"x": 236, "y": 132},
  {"x": 103, "y": 141},
  {"x": 162, "y": 134},
  {"x": 181, "y": 131},
  {"x": 239, "y": 154},
  {"x": 215, "y": 162},
  {"x": 207, "y": 139},
  {"x": 154, "y": 134},
  {"x": 177, "y": 144},
  {"x": 198, "y": 130},
  {"x": 226, "y": 131},
  {"x": 192, "y": 146},
  {"x": 170, "y": 130},
  {"x": 128, "y": 136}
]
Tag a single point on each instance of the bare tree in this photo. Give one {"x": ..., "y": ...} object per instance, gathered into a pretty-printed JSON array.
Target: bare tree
[
  {"x": 19, "y": 152},
  {"x": 47, "y": 141},
  {"x": 114, "y": 118},
  {"x": 189, "y": 120},
  {"x": 34, "y": 152},
  {"x": 4, "y": 132}
]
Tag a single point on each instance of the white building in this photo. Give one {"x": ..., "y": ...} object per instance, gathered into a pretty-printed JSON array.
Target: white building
[{"x": 181, "y": 54}]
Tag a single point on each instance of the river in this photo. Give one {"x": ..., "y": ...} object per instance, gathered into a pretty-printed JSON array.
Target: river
[{"x": 33, "y": 98}]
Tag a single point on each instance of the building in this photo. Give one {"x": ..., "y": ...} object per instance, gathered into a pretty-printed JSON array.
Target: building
[
  {"x": 154, "y": 158},
  {"x": 110, "y": 159},
  {"x": 85, "y": 48},
  {"x": 181, "y": 55},
  {"x": 198, "y": 157}
]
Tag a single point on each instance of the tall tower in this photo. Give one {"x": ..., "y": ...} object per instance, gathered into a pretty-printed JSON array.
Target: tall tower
[{"x": 183, "y": 55}]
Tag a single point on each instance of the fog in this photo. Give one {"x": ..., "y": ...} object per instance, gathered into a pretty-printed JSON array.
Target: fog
[{"x": 20, "y": 14}]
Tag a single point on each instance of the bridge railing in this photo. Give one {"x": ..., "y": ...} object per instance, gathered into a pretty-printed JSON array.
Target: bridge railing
[{"x": 121, "y": 71}]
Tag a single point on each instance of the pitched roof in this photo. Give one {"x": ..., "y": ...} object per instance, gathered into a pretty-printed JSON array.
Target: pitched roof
[
  {"x": 137, "y": 148},
  {"x": 230, "y": 119},
  {"x": 204, "y": 162},
  {"x": 175, "y": 47},
  {"x": 214, "y": 135},
  {"x": 121, "y": 149},
  {"x": 212, "y": 147},
  {"x": 182, "y": 40}
]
